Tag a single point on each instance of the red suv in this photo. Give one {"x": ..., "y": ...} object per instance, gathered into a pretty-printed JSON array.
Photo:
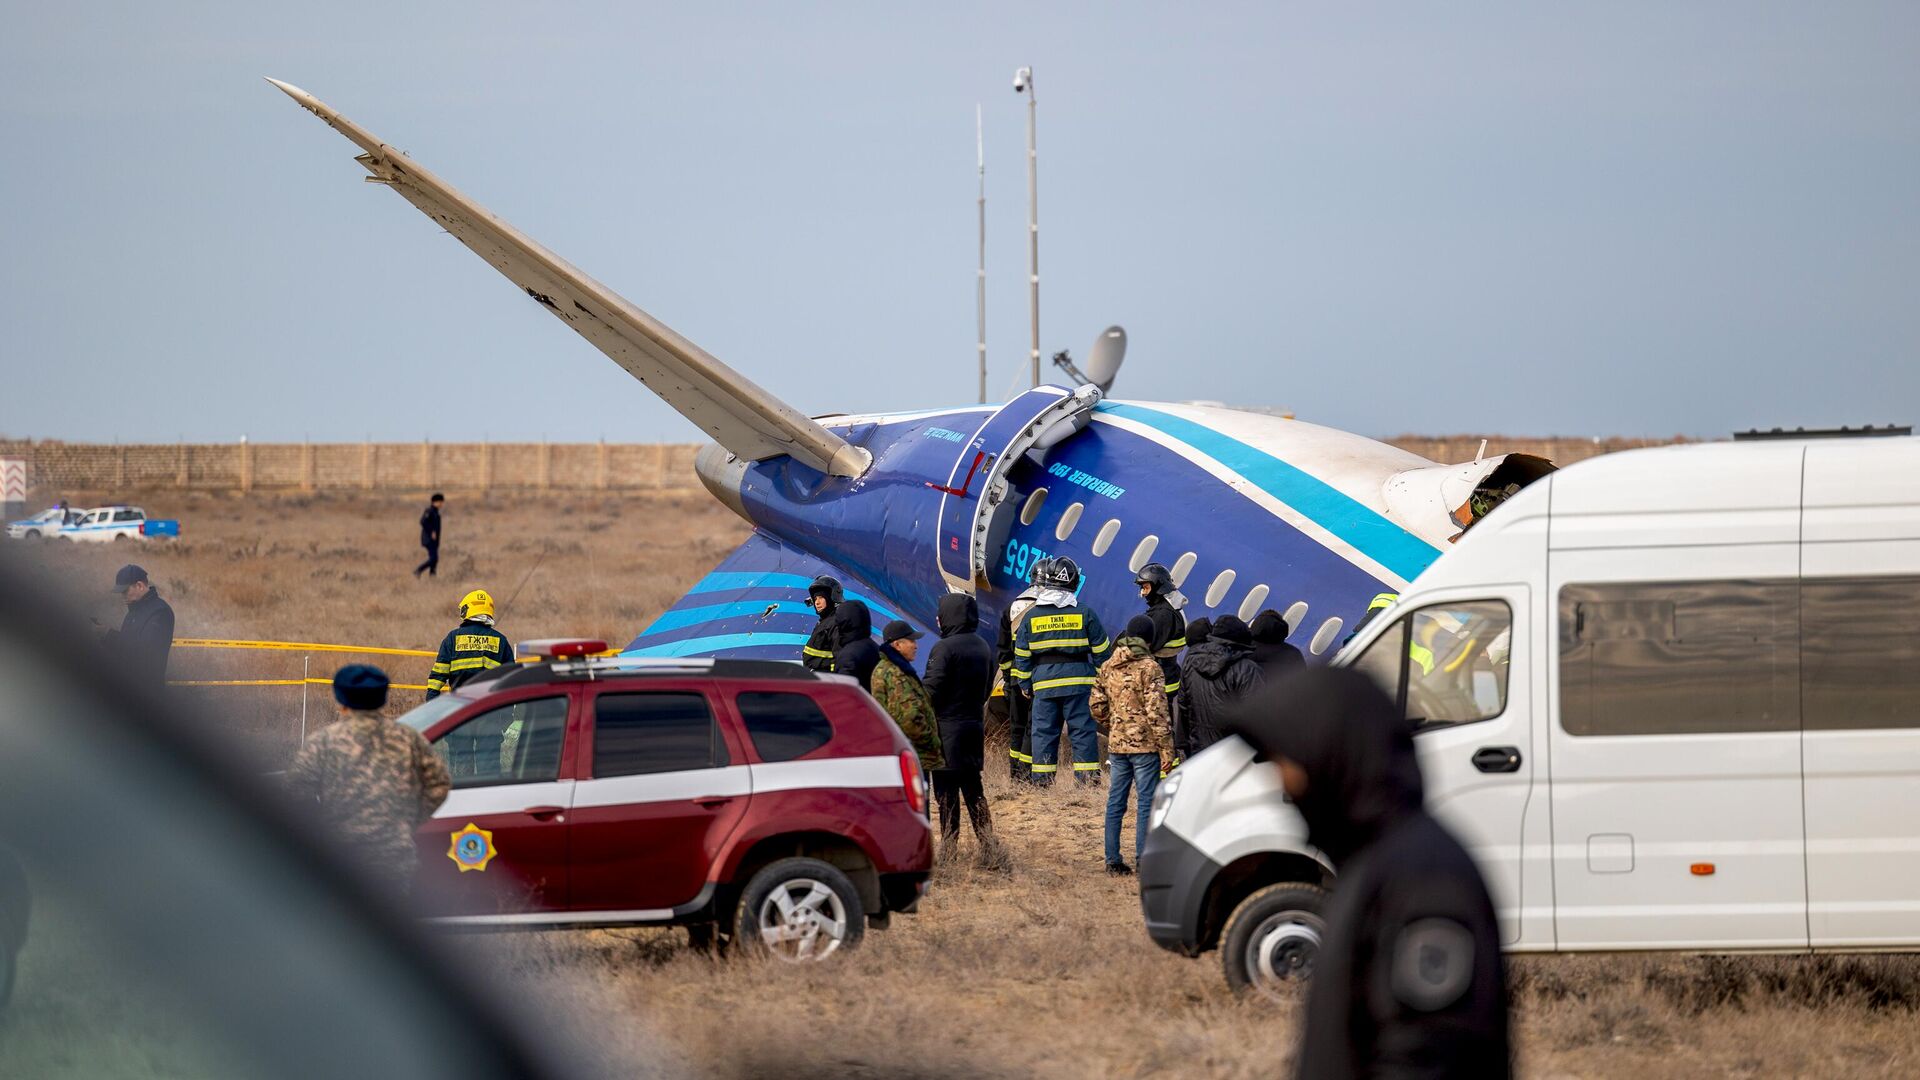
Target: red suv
[{"x": 751, "y": 801}]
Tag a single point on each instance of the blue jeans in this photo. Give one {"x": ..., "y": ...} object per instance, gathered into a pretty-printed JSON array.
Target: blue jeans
[
  {"x": 1048, "y": 714},
  {"x": 1142, "y": 773}
]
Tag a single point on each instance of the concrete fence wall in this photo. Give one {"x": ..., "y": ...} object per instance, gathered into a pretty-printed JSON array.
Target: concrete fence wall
[
  {"x": 55, "y": 467},
  {"x": 313, "y": 467}
]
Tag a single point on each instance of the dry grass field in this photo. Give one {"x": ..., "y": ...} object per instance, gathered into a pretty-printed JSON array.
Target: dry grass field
[{"x": 1040, "y": 970}]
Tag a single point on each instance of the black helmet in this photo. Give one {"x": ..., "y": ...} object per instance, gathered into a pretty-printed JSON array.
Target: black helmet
[
  {"x": 1037, "y": 574},
  {"x": 1063, "y": 573},
  {"x": 1155, "y": 575},
  {"x": 827, "y": 587}
]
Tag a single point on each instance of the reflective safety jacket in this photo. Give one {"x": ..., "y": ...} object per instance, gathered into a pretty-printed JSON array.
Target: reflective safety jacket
[
  {"x": 1057, "y": 650},
  {"x": 817, "y": 653},
  {"x": 1169, "y": 637},
  {"x": 466, "y": 651}
]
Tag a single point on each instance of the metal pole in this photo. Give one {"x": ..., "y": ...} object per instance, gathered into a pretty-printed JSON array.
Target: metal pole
[
  {"x": 1033, "y": 227},
  {"x": 980, "y": 286},
  {"x": 304, "y": 661}
]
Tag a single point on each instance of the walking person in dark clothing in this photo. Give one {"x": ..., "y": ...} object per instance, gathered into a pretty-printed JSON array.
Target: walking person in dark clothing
[
  {"x": 1270, "y": 648},
  {"x": 823, "y": 596},
  {"x": 1214, "y": 677},
  {"x": 959, "y": 678},
  {"x": 145, "y": 637},
  {"x": 854, "y": 651},
  {"x": 430, "y": 536},
  {"x": 1408, "y": 980}
]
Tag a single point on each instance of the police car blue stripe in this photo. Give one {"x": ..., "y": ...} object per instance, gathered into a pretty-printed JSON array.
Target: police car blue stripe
[
  {"x": 1332, "y": 509},
  {"x": 699, "y": 646}
]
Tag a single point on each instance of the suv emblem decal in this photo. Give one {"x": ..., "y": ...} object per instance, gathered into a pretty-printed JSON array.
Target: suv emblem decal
[{"x": 472, "y": 848}]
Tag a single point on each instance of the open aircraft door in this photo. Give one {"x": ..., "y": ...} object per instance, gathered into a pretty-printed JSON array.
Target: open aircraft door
[{"x": 973, "y": 505}]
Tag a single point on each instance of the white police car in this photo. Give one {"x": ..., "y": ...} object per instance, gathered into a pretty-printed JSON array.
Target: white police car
[
  {"x": 117, "y": 523},
  {"x": 41, "y": 525}
]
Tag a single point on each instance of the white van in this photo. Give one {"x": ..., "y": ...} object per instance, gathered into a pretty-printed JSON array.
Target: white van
[{"x": 1668, "y": 698}]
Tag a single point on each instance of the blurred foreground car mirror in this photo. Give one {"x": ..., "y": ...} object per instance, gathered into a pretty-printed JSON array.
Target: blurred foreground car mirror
[{"x": 181, "y": 921}]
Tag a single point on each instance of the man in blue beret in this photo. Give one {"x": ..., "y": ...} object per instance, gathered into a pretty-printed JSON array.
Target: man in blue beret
[{"x": 373, "y": 780}]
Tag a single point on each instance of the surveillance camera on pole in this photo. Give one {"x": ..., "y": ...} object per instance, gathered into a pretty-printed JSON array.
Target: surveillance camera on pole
[{"x": 1023, "y": 84}]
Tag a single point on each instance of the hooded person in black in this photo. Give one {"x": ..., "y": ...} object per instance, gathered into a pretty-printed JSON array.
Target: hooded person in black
[
  {"x": 1270, "y": 648},
  {"x": 1198, "y": 631},
  {"x": 960, "y": 678},
  {"x": 1216, "y": 674},
  {"x": 854, "y": 650},
  {"x": 1408, "y": 980}
]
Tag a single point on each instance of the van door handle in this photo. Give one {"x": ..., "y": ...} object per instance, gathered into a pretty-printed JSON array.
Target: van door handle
[
  {"x": 543, "y": 813},
  {"x": 711, "y": 801},
  {"x": 1497, "y": 759}
]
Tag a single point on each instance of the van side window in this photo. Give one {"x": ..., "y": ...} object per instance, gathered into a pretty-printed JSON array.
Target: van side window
[
  {"x": 1860, "y": 656},
  {"x": 1447, "y": 663},
  {"x": 1680, "y": 658}
]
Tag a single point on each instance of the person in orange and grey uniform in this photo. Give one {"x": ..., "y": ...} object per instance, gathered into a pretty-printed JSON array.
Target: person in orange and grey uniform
[
  {"x": 1019, "y": 706},
  {"x": 824, "y": 597},
  {"x": 470, "y": 648},
  {"x": 1216, "y": 675},
  {"x": 430, "y": 536},
  {"x": 1130, "y": 701},
  {"x": 1056, "y": 652},
  {"x": 374, "y": 780}
]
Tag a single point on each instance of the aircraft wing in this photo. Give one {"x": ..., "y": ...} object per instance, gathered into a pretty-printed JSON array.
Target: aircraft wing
[
  {"x": 754, "y": 606},
  {"x": 730, "y": 408}
]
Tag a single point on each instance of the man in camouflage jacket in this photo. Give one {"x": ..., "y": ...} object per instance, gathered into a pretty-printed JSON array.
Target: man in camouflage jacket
[
  {"x": 1130, "y": 701},
  {"x": 371, "y": 779},
  {"x": 904, "y": 696}
]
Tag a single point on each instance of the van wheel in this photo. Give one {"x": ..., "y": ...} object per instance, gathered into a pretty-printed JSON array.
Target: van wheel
[
  {"x": 1272, "y": 938},
  {"x": 32, "y": 534},
  {"x": 799, "y": 910}
]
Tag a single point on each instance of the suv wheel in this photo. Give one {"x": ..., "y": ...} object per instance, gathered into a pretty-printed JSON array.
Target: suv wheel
[
  {"x": 799, "y": 910},
  {"x": 1272, "y": 938}
]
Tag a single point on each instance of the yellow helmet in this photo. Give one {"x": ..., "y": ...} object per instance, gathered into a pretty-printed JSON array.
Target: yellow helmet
[{"x": 477, "y": 602}]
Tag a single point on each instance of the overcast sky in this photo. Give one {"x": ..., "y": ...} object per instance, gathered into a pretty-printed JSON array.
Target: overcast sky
[{"x": 1639, "y": 219}]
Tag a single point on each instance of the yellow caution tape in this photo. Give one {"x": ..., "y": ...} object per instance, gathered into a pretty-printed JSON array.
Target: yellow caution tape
[
  {"x": 216, "y": 643},
  {"x": 278, "y": 682}
]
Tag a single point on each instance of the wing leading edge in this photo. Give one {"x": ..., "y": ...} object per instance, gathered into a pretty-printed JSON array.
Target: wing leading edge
[{"x": 729, "y": 407}]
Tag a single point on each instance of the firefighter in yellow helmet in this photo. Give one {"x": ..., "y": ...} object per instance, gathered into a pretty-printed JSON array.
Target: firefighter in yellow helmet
[{"x": 470, "y": 648}]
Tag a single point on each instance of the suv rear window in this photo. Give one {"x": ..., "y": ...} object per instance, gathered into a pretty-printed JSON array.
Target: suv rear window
[
  {"x": 664, "y": 731},
  {"x": 784, "y": 726}
]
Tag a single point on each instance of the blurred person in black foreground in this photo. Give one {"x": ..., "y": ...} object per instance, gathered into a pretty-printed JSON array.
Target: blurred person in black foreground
[
  {"x": 1409, "y": 980},
  {"x": 145, "y": 637}
]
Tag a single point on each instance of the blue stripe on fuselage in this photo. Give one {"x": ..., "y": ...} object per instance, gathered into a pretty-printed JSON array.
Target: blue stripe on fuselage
[{"x": 1332, "y": 509}]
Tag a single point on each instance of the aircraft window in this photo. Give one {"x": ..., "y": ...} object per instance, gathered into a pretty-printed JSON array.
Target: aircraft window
[
  {"x": 1143, "y": 553},
  {"x": 1104, "y": 538},
  {"x": 1296, "y": 615},
  {"x": 1323, "y": 637},
  {"x": 1068, "y": 520},
  {"x": 1182, "y": 567},
  {"x": 1251, "y": 605},
  {"x": 1032, "y": 508},
  {"x": 1217, "y": 591}
]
